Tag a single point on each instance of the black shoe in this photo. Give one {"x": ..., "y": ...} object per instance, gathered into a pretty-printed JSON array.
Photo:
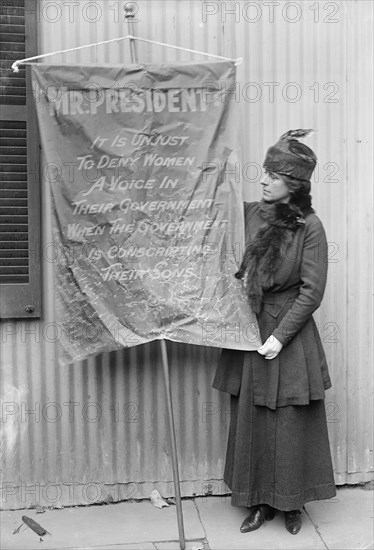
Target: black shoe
[
  {"x": 253, "y": 521},
  {"x": 292, "y": 521},
  {"x": 268, "y": 512}
]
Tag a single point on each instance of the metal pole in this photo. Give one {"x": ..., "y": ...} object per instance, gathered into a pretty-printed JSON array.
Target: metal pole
[
  {"x": 129, "y": 11},
  {"x": 178, "y": 500}
]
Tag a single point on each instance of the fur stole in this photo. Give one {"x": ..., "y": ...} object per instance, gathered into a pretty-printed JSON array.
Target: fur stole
[{"x": 263, "y": 254}]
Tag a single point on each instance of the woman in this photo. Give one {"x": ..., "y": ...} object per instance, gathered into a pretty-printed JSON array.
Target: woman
[{"x": 278, "y": 454}]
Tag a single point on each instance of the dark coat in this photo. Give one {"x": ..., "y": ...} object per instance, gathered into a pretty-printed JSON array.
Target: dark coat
[{"x": 299, "y": 373}]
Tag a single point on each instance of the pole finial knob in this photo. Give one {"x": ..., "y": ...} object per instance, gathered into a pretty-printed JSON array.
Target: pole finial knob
[{"x": 129, "y": 10}]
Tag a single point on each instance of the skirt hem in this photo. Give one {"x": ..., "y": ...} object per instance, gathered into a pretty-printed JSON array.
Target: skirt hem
[{"x": 282, "y": 502}]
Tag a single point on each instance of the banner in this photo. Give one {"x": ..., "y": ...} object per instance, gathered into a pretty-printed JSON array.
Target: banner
[{"x": 148, "y": 215}]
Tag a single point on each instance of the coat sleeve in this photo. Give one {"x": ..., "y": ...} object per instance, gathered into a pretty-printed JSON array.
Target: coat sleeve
[
  {"x": 313, "y": 275},
  {"x": 250, "y": 208}
]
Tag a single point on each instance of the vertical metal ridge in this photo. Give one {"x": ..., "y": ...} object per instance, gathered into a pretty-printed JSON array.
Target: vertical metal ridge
[{"x": 360, "y": 196}]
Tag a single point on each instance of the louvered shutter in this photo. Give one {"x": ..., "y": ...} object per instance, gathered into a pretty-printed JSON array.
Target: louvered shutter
[{"x": 20, "y": 285}]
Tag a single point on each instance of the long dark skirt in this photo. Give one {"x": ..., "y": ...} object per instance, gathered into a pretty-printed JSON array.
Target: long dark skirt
[{"x": 278, "y": 457}]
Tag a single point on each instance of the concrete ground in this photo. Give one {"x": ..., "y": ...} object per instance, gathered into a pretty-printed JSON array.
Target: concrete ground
[{"x": 211, "y": 523}]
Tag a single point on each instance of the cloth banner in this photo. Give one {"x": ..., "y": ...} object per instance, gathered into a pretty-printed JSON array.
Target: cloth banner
[{"x": 147, "y": 209}]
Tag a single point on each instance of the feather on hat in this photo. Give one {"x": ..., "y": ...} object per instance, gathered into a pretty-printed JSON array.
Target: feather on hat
[{"x": 291, "y": 158}]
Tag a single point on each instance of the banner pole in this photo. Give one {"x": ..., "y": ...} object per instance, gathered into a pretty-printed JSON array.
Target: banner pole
[
  {"x": 129, "y": 11},
  {"x": 178, "y": 500}
]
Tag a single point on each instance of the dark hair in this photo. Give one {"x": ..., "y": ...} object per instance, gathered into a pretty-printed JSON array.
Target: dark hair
[{"x": 299, "y": 192}]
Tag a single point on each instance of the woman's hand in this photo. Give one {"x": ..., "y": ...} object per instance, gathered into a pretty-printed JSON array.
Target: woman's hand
[{"x": 270, "y": 348}]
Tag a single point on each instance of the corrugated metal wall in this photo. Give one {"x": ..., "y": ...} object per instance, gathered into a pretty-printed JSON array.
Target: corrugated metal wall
[{"x": 97, "y": 430}]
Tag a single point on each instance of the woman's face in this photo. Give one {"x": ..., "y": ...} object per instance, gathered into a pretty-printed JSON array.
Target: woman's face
[{"x": 275, "y": 188}]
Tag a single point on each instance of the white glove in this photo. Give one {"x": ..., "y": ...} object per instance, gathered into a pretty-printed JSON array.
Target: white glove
[{"x": 270, "y": 348}]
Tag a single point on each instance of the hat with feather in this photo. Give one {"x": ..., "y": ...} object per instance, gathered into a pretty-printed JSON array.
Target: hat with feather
[{"x": 289, "y": 157}]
